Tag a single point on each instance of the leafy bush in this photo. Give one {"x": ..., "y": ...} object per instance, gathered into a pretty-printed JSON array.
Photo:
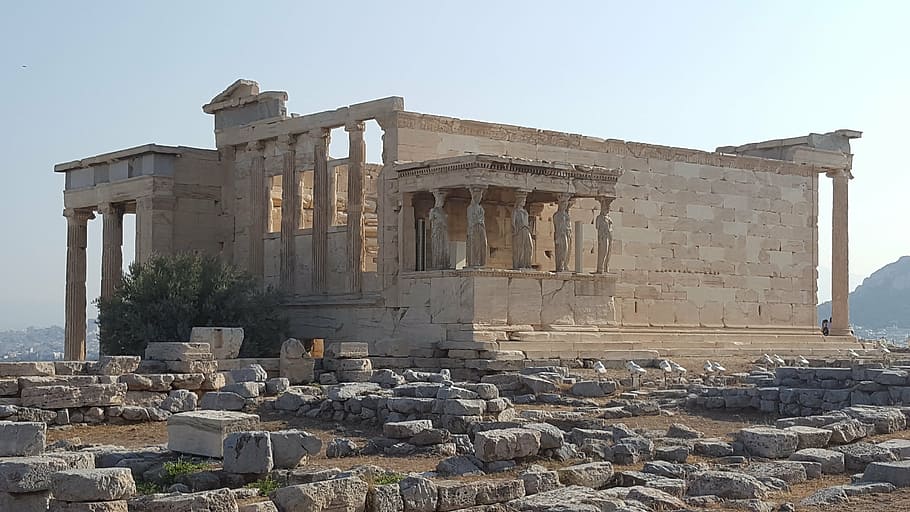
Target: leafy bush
[
  {"x": 145, "y": 488},
  {"x": 388, "y": 478},
  {"x": 265, "y": 485},
  {"x": 164, "y": 298},
  {"x": 181, "y": 467}
]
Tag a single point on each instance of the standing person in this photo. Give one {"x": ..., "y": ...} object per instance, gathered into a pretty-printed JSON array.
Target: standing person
[{"x": 825, "y": 327}]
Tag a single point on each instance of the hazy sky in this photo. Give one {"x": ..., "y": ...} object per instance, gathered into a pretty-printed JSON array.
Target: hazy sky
[{"x": 82, "y": 78}]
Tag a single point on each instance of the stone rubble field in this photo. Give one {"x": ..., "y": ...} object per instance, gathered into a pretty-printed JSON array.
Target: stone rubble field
[{"x": 549, "y": 438}]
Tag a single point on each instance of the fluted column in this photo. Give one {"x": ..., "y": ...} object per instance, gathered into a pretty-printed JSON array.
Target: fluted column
[
  {"x": 356, "y": 161},
  {"x": 840, "y": 256},
  {"x": 323, "y": 211},
  {"x": 290, "y": 214},
  {"x": 76, "y": 242},
  {"x": 259, "y": 201},
  {"x": 112, "y": 249}
]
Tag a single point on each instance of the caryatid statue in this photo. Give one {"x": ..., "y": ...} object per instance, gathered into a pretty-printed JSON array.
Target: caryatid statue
[
  {"x": 562, "y": 232},
  {"x": 604, "y": 225},
  {"x": 522, "y": 243},
  {"x": 439, "y": 232},
  {"x": 477, "y": 231}
]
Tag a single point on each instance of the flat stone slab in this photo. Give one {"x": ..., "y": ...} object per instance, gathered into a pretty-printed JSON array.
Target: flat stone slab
[
  {"x": 832, "y": 462},
  {"x": 347, "y": 350},
  {"x": 769, "y": 442},
  {"x": 810, "y": 437},
  {"x": 899, "y": 447},
  {"x": 103, "y": 484},
  {"x": 67, "y": 397},
  {"x": 593, "y": 474},
  {"x": 895, "y": 473},
  {"x": 343, "y": 494},
  {"x": 29, "y": 474},
  {"x": 174, "y": 351},
  {"x": 506, "y": 444},
  {"x": 221, "y": 500},
  {"x": 22, "y": 439},
  {"x": 25, "y": 502},
  {"x": 203, "y": 432},
  {"x": 89, "y": 506},
  {"x": 23, "y": 368},
  {"x": 225, "y": 342}
]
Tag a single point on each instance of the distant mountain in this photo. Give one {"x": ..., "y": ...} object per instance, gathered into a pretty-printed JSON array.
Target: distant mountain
[{"x": 880, "y": 307}]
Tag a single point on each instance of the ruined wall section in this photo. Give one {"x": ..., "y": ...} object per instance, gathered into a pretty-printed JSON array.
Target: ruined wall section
[
  {"x": 703, "y": 240},
  {"x": 199, "y": 223}
]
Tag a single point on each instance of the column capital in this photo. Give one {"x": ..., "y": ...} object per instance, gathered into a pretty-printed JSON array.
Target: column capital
[
  {"x": 354, "y": 126},
  {"x": 78, "y": 214},
  {"x": 605, "y": 203},
  {"x": 287, "y": 141},
  {"x": 255, "y": 145},
  {"x": 110, "y": 209},
  {"x": 320, "y": 134},
  {"x": 839, "y": 173}
]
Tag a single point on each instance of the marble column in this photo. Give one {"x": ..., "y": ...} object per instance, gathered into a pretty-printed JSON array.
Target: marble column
[
  {"x": 323, "y": 210},
  {"x": 840, "y": 256},
  {"x": 111, "y": 249},
  {"x": 439, "y": 232},
  {"x": 290, "y": 214},
  {"x": 259, "y": 206},
  {"x": 356, "y": 161},
  {"x": 76, "y": 242},
  {"x": 477, "y": 248}
]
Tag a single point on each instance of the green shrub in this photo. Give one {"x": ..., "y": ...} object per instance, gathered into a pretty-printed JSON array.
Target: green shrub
[
  {"x": 265, "y": 485},
  {"x": 145, "y": 488},
  {"x": 164, "y": 298},
  {"x": 388, "y": 478},
  {"x": 181, "y": 467}
]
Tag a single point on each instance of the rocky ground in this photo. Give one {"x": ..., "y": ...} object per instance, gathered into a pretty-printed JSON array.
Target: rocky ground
[{"x": 713, "y": 425}]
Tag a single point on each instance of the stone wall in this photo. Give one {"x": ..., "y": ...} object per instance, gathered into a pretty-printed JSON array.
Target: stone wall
[
  {"x": 702, "y": 239},
  {"x": 810, "y": 391}
]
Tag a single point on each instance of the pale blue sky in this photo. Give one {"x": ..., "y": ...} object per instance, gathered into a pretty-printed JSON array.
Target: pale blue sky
[{"x": 101, "y": 76}]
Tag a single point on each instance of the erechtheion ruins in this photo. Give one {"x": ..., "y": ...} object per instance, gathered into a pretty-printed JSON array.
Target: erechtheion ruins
[{"x": 480, "y": 241}]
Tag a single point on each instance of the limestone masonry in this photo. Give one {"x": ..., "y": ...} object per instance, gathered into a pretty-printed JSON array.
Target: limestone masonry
[{"x": 481, "y": 241}]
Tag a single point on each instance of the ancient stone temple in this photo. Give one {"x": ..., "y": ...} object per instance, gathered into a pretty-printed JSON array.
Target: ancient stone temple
[{"x": 480, "y": 241}]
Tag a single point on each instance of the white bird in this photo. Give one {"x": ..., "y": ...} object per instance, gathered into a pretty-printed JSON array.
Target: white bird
[
  {"x": 760, "y": 369},
  {"x": 709, "y": 367},
  {"x": 718, "y": 368},
  {"x": 765, "y": 358},
  {"x": 853, "y": 354},
  {"x": 677, "y": 368},
  {"x": 779, "y": 360},
  {"x": 802, "y": 361},
  {"x": 599, "y": 368},
  {"x": 633, "y": 367},
  {"x": 665, "y": 366}
]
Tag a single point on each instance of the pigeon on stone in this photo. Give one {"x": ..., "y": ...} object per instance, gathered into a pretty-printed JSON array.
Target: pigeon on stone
[
  {"x": 802, "y": 361},
  {"x": 718, "y": 368},
  {"x": 767, "y": 360},
  {"x": 678, "y": 368},
  {"x": 779, "y": 360},
  {"x": 709, "y": 367},
  {"x": 633, "y": 367},
  {"x": 853, "y": 354},
  {"x": 599, "y": 368}
]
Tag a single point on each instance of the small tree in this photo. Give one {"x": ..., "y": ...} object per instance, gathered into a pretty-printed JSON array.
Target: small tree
[{"x": 164, "y": 298}]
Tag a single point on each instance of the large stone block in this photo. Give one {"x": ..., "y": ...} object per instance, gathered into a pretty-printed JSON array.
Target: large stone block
[
  {"x": 811, "y": 437},
  {"x": 65, "y": 397},
  {"x": 89, "y": 506},
  {"x": 225, "y": 342},
  {"x": 9, "y": 387},
  {"x": 832, "y": 462},
  {"x": 593, "y": 474},
  {"x": 222, "y": 401},
  {"x": 295, "y": 364},
  {"x": 250, "y": 373},
  {"x": 895, "y": 473},
  {"x": 28, "y": 474},
  {"x": 221, "y": 500},
  {"x": 339, "y": 495},
  {"x": 506, "y": 444},
  {"x": 103, "y": 484},
  {"x": 25, "y": 502},
  {"x": 248, "y": 453},
  {"x": 767, "y": 442},
  {"x": 290, "y": 447},
  {"x": 347, "y": 350},
  {"x": 174, "y": 351},
  {"x": 24, "y": 368},
  {"x": 117, "y": 365},
  {"x": 22, "y": 439},
  {"x": 203, "y": 432}
]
